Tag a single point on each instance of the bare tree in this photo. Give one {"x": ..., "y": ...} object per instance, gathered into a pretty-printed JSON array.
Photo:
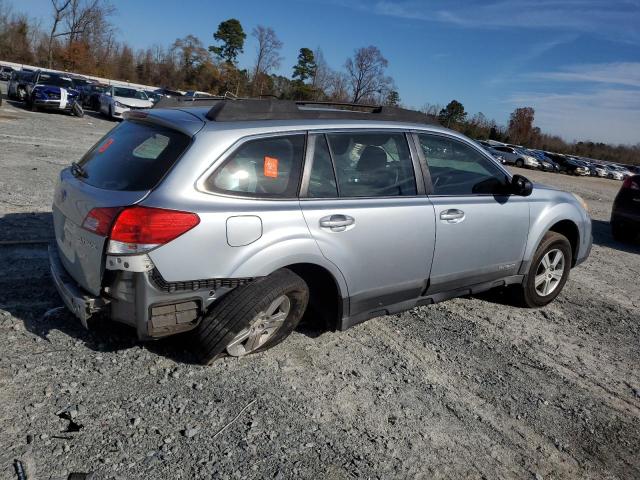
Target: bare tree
[
  {"x": 366, "y": 74},
  {"x": 268, "y": 57},
  {"x": 59, "y": 13},
  {"x": 85, "y": 14}
]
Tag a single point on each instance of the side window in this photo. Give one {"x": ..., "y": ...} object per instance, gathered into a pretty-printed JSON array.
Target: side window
[
  {"x": 372, "y": 164},
  {"x": 322, "y": 181},
  {"x": 264, "y": 167},
  {"x": 458, "y": 169}
]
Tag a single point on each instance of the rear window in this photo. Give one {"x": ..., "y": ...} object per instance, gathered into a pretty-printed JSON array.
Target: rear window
[{"x": 133, "y": 156}]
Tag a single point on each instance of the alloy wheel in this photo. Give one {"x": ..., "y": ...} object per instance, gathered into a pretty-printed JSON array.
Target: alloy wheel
[
  {"x": 549, "y": 272},
  {"x": 261, "y": 328}
]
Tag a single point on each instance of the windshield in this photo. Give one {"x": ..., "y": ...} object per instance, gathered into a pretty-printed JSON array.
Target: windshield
[
  {"x": 129, "y": 93},
  {"x": 55, "y": 80}
]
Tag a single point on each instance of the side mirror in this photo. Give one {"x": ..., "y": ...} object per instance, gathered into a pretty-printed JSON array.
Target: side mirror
[{"x": 521, "y": 186}]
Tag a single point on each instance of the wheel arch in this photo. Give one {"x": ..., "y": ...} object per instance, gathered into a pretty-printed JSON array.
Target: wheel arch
[
  {"x": 570, "y": 230},
  {"x": 326, "y": 301},
  {"x": 562, "y": 217}
]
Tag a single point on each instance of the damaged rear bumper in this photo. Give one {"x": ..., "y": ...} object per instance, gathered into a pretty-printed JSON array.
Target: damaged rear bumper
[
  {"x": 140, "y": 297},
  {"x": 79, "y": 302}
]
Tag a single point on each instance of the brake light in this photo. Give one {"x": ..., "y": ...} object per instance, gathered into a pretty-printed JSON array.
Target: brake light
[
  {"x": 139, "y": 229},
  {"x": 99, "y": 220},
  {"x": 631, "y": 183}
]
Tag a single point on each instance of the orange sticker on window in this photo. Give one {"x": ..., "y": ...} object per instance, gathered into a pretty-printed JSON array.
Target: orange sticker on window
[
  {"x": 271, "y": 167},
  {"x": 105, "y": 145}
]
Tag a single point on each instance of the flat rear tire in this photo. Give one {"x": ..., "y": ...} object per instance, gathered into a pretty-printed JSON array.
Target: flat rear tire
[{"x": 252, "y": 318}]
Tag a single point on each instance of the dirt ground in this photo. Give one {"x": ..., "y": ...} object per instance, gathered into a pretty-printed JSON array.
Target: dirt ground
[{"x": 468, "y": 388}]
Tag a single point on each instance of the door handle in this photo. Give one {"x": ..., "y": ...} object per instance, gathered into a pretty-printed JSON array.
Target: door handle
[
  {"x": 337, "y": 223},
  {"x": 453, "y": 215}
]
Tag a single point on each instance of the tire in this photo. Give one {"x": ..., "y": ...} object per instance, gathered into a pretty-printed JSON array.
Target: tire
[
  {"x": 528, "y": 295},
  {"x": 519, "y": 163},
  {"x": 77, "y": 110},
  {"x": 243, "y": 309},
  {"x": 21, "y": 93},
  {"x": 33, "y": 106}
]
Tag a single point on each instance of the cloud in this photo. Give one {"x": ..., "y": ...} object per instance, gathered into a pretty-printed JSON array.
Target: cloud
[
  {"x": 615, "y": 19},
  {"x": 608, "y": 115},
  {"x": 616, "y": 73}
]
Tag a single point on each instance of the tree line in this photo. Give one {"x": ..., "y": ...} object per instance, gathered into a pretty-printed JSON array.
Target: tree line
[{"x": 82, "y": 38}]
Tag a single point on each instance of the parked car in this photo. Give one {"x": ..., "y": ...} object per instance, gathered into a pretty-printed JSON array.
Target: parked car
[
  {"x": 52, "y": 91},
  {"x": 90, "y": 95},
  {"x": 496, "y": 155},
  {"x": 624, "y": 169},
  {"x": 568, "y": 165},
  {"x": 17, "y": 86},
  {"x": 513, "y": 156},
  {"x": 546, "y": 164},
  {"x": 153, "y": 96},
  {"x": 235, "y": 221},
  {"x": 597, "y": 169},
  {"x": 625, "y": 215},
  {"x": 5, "y": 72},
  {"x": 115, "y": 101},
  {"x": 613, "y": 173}
]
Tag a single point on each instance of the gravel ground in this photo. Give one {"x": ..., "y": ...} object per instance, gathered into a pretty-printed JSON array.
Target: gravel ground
[{"x": 467, "y": 388}]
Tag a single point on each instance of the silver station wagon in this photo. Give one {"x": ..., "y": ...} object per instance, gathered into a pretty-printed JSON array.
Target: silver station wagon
[{"x": 235, "y": 219}]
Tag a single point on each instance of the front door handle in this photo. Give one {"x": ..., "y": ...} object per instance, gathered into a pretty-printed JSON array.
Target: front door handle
[
  {"x": 337, "y": 223},
  {"x": 453, "y": 215}
]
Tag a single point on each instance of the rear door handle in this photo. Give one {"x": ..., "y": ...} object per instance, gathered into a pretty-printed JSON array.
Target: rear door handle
[
  {"x": 453, "y": 215},
  {"x": 337, "y": 223}
]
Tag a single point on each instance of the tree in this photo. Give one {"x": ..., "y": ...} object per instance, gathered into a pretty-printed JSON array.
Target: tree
[
  {"x": 452, "y": 114},
  {"x": 306, "y": 66},
  {"x": 366, "y": 73},
  {"x": 393, "y": 99},
  {"x": 59, "y": 12},
  {"x": 268, "y": 55},
  {"x": 232, "y": 36},
  {"x": 521, "y": 125}
]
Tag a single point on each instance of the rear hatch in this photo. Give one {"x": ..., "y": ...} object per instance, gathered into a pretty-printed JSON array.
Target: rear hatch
[{"x": 120, "y": 170}]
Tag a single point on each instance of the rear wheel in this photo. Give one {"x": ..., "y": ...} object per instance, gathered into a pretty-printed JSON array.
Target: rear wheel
[
  {"x": 548, "y": 272},
  {"x": 252, "y": 318}
]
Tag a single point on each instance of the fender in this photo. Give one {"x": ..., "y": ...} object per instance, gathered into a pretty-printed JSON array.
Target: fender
[{"x": 548, "y": 209}]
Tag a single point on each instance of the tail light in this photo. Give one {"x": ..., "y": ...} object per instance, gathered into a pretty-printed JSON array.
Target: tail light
[
  {"x": 99, "y": 220},
  {"x": 138, "y": 229},
  {"x": 631, "y": 183}
]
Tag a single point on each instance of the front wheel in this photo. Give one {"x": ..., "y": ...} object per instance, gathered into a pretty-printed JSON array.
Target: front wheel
[
  {"x": 548, "y": 272},
  {"x": 252, "y": 318},
  {"x": 519, "y": 163}
]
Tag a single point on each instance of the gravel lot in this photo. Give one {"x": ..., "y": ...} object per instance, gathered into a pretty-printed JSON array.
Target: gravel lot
[{"x": 467, "y": 388}]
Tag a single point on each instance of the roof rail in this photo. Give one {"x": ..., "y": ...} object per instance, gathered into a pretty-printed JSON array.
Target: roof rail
[
  {"x": 185, "y": 102},
  {"x": 226, "y": 110}
]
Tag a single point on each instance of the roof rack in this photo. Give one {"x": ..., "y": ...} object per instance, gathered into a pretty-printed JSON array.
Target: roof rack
[
  {"x": 185, "y": 102},
  {"x": 226, "y": 110}
]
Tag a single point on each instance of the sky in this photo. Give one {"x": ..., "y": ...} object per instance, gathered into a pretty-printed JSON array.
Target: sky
[{"x": 576, "y": 62}]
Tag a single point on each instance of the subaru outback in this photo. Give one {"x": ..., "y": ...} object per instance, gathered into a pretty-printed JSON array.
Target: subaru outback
[{"x": 234, "y": 219}]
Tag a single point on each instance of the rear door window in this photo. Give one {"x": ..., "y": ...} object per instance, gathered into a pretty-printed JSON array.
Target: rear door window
[
  {"x": 133, "y": 156},
  {"x": 372, "y": 164},
  {"x": 265, "y": 167}
]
